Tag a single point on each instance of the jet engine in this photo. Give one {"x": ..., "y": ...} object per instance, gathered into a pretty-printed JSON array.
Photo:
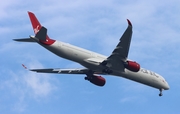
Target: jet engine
[
  {"x": 132, "y": 66},
  {"x": 96, "y": 79}
]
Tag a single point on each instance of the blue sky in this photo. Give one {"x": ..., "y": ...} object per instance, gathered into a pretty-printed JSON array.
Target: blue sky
[{"x": 97, "y": 26}]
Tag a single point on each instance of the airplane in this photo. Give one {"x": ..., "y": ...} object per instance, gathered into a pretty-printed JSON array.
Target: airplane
[{"x": 95, "y": 65}]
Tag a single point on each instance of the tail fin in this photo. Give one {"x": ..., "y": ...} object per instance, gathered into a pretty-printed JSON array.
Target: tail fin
[
  {"x": 37, "y": 27},
  {"x": 35, "y": 23}
]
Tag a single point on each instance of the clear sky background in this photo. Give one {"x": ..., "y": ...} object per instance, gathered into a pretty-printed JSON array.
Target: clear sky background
[{"x": 97, "y": 26}]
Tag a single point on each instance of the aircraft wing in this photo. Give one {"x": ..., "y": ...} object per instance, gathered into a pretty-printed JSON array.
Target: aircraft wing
[
  {"x": 25, "y": 40},
  {"x": 65, "y": 71},
  {"x": 120, "y": 53}
]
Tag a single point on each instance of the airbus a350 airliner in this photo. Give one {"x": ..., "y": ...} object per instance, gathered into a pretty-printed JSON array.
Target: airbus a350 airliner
[{"x": 96, "y": 64}]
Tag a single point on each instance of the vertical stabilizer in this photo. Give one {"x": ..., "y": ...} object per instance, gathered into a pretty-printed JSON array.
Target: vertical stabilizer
[
  {"x": 35, "y": 23},
  {"x": 37, "y": 27}
]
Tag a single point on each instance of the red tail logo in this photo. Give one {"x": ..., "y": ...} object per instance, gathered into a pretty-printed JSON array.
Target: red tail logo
[{"x": 36, "y": 30}]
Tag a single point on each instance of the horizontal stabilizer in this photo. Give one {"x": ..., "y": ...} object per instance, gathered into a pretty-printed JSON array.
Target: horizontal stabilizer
[
  {"x": 25, "y": 40},
  {"x": 41, "y": 34}
]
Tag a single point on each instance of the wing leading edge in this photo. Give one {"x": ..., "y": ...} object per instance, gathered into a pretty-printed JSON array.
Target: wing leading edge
[
  {"x": 61, "y": 71},
  {"x": 65, "y": 71}
]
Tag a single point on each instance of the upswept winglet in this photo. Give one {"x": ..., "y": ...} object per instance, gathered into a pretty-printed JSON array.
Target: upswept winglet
[
  {"x": 129, "y": 22},
  {"x": 24, "y": 66}
]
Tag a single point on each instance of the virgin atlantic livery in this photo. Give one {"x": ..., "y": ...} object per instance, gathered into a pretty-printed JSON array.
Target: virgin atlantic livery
[{"x": 96, "y": 64}]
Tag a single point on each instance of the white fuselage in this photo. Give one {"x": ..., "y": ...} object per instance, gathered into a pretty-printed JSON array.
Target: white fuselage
[{"x": 92, "y": 60}]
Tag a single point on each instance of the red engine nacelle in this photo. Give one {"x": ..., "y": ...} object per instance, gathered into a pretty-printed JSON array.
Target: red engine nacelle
[
  {"x": 132, "y": 66},
  {"x": 97, "y": 80}
]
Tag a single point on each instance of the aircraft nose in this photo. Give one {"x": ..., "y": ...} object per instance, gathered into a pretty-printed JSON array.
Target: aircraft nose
[{"x": 167, "y": 86}]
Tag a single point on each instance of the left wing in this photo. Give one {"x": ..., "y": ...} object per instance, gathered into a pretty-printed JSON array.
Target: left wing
[{"x": 65, "y": 71}]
